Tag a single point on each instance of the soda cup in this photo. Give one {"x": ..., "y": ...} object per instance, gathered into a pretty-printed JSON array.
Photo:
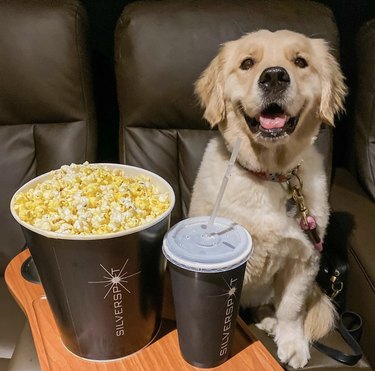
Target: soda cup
[{"x": 207, "y": 272}]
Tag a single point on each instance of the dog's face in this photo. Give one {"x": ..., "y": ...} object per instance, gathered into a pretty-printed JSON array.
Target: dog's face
[{"x": 273, "y": 86}]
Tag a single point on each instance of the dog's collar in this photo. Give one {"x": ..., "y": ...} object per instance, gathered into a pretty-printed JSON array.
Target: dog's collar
[{"x": 276, "y": 177}]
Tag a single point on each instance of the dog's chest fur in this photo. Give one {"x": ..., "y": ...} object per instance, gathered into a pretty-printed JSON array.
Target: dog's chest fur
[{"x": 262, "y": 208}]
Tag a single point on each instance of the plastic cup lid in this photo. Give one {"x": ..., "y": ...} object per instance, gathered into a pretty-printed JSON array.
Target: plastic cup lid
[{"x": 188, "y": 246}]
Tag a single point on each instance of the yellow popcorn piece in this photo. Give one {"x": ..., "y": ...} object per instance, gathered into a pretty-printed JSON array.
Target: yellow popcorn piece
[{"x": 89, "y": 199}]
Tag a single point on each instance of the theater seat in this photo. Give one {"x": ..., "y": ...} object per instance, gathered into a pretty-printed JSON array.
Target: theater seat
[
  {"x": 161, "y": 49},
  {"x": 47, "y": 119}
]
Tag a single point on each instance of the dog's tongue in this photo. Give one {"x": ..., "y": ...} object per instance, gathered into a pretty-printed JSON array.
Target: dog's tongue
[{"x": 273, "y": 121}]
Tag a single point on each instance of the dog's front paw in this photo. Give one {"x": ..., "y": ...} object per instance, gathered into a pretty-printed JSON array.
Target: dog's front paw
[
  {"x": 294, "y": 352},
  {"x": 267, "y": 324},
  {"x": 292, "y": 346}
]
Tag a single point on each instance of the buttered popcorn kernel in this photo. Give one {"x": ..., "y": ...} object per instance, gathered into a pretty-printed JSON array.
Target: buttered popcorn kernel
[{"x": 89, "y": 199}]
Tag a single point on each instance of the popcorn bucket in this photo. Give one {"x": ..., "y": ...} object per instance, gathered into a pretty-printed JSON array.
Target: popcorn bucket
[{"x": 104, "y": 290}]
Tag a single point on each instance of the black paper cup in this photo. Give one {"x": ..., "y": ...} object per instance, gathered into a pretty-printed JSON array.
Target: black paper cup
[
  {"x": 206, "y": 283},
  {"x": 206, "y": 307},
  {"x": 105, "y": 291}
]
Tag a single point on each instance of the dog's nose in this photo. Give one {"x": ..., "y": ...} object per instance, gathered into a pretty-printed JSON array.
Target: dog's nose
[{"x": 274, "y": 79}]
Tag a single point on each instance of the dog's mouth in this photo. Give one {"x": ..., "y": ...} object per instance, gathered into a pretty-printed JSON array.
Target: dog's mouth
[{"x": 273, "y": 122}]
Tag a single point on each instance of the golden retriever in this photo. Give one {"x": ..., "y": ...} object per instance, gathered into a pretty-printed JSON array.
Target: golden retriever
[{"x": 273, "y": 90}]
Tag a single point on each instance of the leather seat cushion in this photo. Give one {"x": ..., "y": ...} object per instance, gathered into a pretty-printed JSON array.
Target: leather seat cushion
[
  {"x": 24, "y": 356},
  {"x": 318, "y": 361},
  {"x": 12, "y": 321}
]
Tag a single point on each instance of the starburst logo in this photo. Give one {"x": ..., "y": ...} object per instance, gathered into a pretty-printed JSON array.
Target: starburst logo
[
  {"x": 232, "y": 289},
  {"x": 117, "y": 277},
  {"x": 116, "y": 280}
]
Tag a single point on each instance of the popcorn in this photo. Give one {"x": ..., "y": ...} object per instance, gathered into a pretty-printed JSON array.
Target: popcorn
[{"x": 89, "y": 199}]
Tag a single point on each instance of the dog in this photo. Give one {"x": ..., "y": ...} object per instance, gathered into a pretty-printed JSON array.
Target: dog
[{"x": 273, "y": 90}]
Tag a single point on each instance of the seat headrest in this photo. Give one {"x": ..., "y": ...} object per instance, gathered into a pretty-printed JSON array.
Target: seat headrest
[
  {"x": 162, "y": 48},
  {"x": 42, "y": 59}
]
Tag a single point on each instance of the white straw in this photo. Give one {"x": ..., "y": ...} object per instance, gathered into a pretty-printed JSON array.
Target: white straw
[{"x": 219, "y": 197}]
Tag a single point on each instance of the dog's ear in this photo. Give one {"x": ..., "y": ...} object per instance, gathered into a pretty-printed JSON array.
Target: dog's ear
[
  {"x": 334, "y": 89},
  {"x": 209, "y": 89}
]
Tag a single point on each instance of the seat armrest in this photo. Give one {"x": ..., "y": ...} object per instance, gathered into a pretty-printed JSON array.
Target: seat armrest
[
  {"x": 364, "y": 131},
  {"x": 354, "y": 220}
]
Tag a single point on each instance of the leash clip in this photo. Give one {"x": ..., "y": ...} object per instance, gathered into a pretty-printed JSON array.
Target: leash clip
[
  {"x": 300, "y": 201},
  {"x": 336, "y": 286},
  {"x": 308, "y": 222},
  {"x": 298, "y": 197}
]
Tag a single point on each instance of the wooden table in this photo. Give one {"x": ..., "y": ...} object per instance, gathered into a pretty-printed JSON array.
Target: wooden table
[{"x": 162, "y": 355}]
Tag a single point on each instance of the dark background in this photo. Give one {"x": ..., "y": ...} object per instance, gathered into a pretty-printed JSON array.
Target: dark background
[{"x": 350, "y": 15}]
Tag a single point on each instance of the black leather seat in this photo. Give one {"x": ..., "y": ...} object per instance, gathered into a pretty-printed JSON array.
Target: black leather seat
[
  {"x": 47, "y": 119},
  {"x": 161, "y": 49}
]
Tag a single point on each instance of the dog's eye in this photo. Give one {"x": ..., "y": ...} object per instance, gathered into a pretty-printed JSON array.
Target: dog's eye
[
  {"x": 300, "y": 62},
  {"x": 247, "y": 63}
]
